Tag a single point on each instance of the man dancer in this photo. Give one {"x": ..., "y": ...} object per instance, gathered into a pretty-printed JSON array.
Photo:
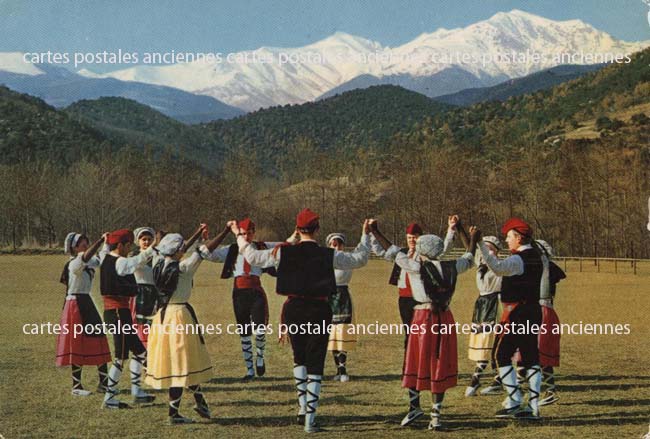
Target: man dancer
[
  {"x": 306, "y": 276},
  {"x": 117, "y": 285},
  {"x": 520, "y": 293},
  {"x": 248, "y": 296}
]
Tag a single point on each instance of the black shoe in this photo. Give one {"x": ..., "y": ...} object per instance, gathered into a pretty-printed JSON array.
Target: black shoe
[
  {"x": 203, "y": 411},
  {"x": 261, "y": 370},
  {"x": 116, "y": 405},
  {"x": 247, "y": 378},
  {"x": 527, "y": 414},
  {"x": 178, "y": 419},
  {"x": 508, "y": 413},
  {"x": 314, "y": 428},
  {"x": 146, "y": 399},
  {"x": 300, "y": 419}
]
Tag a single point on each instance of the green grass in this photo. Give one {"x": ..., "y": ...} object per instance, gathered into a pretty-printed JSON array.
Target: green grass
[{"x": 604, "y": 380}]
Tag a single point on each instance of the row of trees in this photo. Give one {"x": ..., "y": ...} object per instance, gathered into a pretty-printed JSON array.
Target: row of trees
[{"x": 584, "y": 197}]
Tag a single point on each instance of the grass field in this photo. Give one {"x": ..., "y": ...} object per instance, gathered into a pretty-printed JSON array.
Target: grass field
[{"x": 604, "y": 380}]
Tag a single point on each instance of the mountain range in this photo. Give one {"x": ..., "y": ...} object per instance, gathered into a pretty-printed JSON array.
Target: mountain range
[
  {"x": 60, "y": 87},
  {"x": 507, "y": 45}
]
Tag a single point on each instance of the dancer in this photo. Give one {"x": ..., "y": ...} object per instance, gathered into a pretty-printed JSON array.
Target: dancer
[
  {"x": 400, "y": 278},
  {"x": 143, "y": 306},
  {"x": 520, "y": 293},
  {"x": 481, "y": 340},
  {"x": 341, "y": 340},
  {"x": 117, "y": 285},
  {"x": 549, "y": 341},
  {"x": 306, "y": 276},
  {"x": 431, "y": 356},
  {"x": 90, "y": 347},
  {"x": 248, "y": 296},
  {"x": 178, "y": 359}
]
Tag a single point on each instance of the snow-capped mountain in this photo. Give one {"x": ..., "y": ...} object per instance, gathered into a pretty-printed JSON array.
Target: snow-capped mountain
[{"x": 480, "y": 54}]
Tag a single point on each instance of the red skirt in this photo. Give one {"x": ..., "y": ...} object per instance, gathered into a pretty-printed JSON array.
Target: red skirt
[
  {"x": 549, "y": 343},
  {"x": 143, "y": 334},
  {"x": 431, "y": 358},
  {"x": 82, "y": 349}
]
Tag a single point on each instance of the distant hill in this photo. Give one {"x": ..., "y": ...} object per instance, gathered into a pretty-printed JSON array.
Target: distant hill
[
  {"x": 31, "y": 129},
  {"x": 519, "y": 86},
  {"x": 60, "y": 87},
  {"x": 448, "y": 80},
  {"x": 131, "y": 123},
  {"x": 358, "y": 118}
]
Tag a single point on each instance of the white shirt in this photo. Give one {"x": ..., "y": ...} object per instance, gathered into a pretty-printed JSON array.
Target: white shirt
[
  {"x": 342, "y": 260},
  {"x": 79, "y": 281},
  {"x": 490, "y": 283},
  {"x": 144, "y": 275},
  {"x": 128, "y": 265},
  {"x": 343, "y": 277},
  {"x": 187, "y": 267},
  {"x": 412, "y": 267},
  {"x": 220, "y": 253}
]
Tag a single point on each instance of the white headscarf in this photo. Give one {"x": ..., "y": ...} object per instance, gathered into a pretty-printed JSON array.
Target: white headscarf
[
  {"x": 71, "y": 241},
  {"x": 430, "y": 246},
  {"x": 137, "y": 232},
  {"x": 336, "y": 235},
  {"x": 478, "y": 257},
  {"x": 170, "y": 244}
]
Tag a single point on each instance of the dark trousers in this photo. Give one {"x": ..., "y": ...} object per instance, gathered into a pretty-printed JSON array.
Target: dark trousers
[
  {"x": 123, "y": 342},
  {"x": 309, "y": 350},
  {"x": 250, "y": 306},
  {"x": 506, "y": 345}
]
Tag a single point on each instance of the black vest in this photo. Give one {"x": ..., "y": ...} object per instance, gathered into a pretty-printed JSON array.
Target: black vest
[
  {"x": 524, "y": 287},
  {"x": 112, "y": 284},
  {"x": 439, "y": 288},
  {"x": 306, "y": 270},
  {"x": 394, "y": 275},
  {"x": 231, "y": 260}
]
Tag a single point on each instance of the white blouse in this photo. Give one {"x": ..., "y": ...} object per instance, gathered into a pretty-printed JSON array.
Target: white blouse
[
  {"x": 79, "y": 280},
  {"x": 219, "y": 255}
]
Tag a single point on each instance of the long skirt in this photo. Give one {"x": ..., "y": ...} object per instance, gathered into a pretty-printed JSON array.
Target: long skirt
[
  {"x": 176, "y": 358},
  {"x": 481, "y": 341},
  {"x": 85, "y": 349},
  {"x": 431, "y": 356},
  {"x": 343, "y": 336},
  {"x": 549, "y": 343}
]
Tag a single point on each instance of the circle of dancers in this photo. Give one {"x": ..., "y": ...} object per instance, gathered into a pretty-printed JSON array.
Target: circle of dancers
[{"x": 148, "y": 288}]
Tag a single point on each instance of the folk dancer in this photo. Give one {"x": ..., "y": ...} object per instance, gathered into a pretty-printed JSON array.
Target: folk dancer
[
  {"x": 178, "y": 359},
  {"x": 306, "y": 276},
  {"x": 342, "y": 338},
  {"x": 431, "y": 361},
  {"x": 90, "y": 347},
  {"x": 143, "y": 306},
  {"x": 520, "y": 294},
  {"x": 248, "y": 296},
  {"x": 117, "y": 286}
]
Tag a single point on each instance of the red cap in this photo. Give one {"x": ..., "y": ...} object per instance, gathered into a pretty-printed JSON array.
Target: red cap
[
  {"x": 307, "y": 219},
  {"x": 246, "y": 224},
  {"x": 414, "y": 229},
  {"x": 120, "y": 236},
  {"x": 518, "y": 225}
]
